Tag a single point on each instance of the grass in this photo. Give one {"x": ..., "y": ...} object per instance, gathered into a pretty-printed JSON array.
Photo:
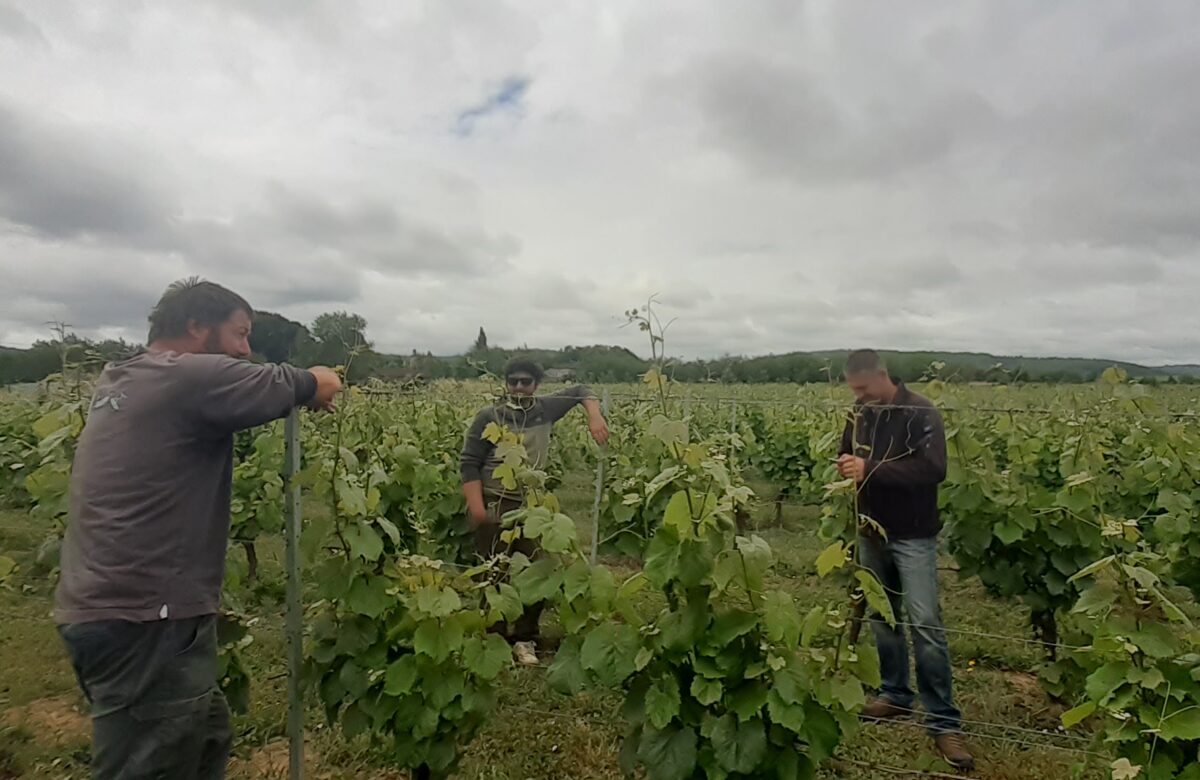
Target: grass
[{"x": 535, "y": 732}]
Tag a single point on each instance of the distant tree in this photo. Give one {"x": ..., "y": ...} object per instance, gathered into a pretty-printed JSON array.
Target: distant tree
[
  {"x": 277, "y": 338},
  {"x": 339, "y": 327},
  {"x": 480, "y": 346},
  {"x": 337, "y": 336}
]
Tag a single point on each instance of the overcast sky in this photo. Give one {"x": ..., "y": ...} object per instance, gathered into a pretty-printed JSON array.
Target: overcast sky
[{"x": 1015, "y": 177}]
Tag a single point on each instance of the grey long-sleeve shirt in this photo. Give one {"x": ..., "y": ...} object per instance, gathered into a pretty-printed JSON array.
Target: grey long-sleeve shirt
[
  {"x": 150, "y": 485},
  {"x": 533, "y": 422}
]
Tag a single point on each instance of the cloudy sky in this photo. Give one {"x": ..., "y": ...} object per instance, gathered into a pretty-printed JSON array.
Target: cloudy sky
[{"x": 1018, "y": 176}]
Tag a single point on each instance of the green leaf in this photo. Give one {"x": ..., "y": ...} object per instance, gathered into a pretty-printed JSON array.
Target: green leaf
[
  {"x": 504, "y": 602},
  {"x": 354, "y": 680},
  {"x": 438, "y": 602},
  {"x": 729, "y": 625},
  {"x": 747, "y": 701},
  {"x": 1155, "y": 640},
  {"x": 1008, "y": 532},
  {"x": 486, "y": 657},
  {"x": 678, "y": 515},
  {"x": 566, "y": 674},
  {"x": 791, "y": 683},
  {"x": 832, "y": 557},
  {"x": 576, "y": 580},
  {"x": 1184, "y": 724},
  {"x": 1100, "y": 597},
  {"x": 668, "y": 431},
  {"x": 781, "y": 618},
  {"x": 1102, "y": 682},
  {"x": 739, "y": 747},
  {"x": 352, "y": 501},
  {"x": 668, "y": 754},
  {"x": 876, "y": 596},
  {"x": 1075, "y": 716},
  {"x": 354, "y": 721},
  {"x": 506, "y": 475},
  {"x": 662, "y": 701},
  {"x": 706, "y": 691},
  {"x": 790, "y": 715},
  {"x": 364, "y": 542},
  {"x": 848, "y": 693},
  {"x": 695, "y": 562},
  {"x": 369, "y": 596},
  {"x": 556, "y": 532},
  {"x": 609, "y": 652},
  {"x": 756, "y": 555},
  {"x": 388, "y": 527},
  {"x": 1092, "y": 568},
  {"x": 822, "y": 731},
  {"x": 540, "y": 581},
  {"x": 401, "y": 674},
  {"x": 437, "y": 639},
  {"x": 814, "y": 621},
  {"x": 662, "y": 557}
]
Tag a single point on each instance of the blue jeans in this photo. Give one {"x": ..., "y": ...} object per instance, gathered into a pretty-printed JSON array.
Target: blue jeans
[{"x": 907, "y": 568}]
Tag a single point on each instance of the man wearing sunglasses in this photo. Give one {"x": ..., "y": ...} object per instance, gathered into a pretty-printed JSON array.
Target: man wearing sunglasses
[{"x": 532, "y": 417}]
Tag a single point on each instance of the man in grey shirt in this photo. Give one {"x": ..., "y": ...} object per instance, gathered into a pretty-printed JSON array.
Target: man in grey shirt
[
  {"x": 144, "y": 553},
  {"x": 533, "y": 418}
]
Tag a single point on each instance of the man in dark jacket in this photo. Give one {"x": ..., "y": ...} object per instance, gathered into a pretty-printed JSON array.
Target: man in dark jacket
[
  {"x": 894, "y": 447},
  {"x": 532, "y": 417},
  {"x": 144, "y": 554}
]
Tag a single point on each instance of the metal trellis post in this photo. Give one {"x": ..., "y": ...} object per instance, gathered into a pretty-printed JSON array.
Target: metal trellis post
[{"x": 294, "y": 627}]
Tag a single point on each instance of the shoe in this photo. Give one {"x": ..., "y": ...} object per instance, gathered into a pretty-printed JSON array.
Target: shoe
[
  {"x": 880, "y": 708},
  {"x": 954, "y": 749},
  {"x": 524, "y": 653}
]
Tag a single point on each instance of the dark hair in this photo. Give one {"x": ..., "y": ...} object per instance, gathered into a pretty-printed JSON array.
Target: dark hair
[
  {"x": 524, "y": 366},
  {"x": 193, "y": 300},
  {"x": 864, "y": 361}
]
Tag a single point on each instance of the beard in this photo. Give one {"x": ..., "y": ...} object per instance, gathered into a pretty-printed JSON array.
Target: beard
[{"x": 212, "y": 344}]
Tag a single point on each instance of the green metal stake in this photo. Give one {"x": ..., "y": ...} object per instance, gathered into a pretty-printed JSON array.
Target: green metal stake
[{"x": 295, "y": 617}]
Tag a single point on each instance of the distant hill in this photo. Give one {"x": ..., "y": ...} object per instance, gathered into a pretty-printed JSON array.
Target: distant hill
[
  {"x": 600, "y": 364},
  {"x": 1181, "y": 370}
]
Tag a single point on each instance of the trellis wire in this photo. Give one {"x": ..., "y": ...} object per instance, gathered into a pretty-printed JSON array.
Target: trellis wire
[{"x": 836, "y": 406}]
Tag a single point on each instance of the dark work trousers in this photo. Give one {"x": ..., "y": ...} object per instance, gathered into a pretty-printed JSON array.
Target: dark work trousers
[
  {"x": 156, "y": 708},
  {"x": 488, "y": 544}
]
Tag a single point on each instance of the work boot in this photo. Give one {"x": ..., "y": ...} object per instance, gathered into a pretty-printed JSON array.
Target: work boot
[
  {"x": 524, "y": 654},
  {"x": 880, "y": 708},
  {"x": 954, "y": 749}
]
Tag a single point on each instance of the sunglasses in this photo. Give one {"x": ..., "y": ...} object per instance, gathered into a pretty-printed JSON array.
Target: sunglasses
[{"x": 521, "y": 381}]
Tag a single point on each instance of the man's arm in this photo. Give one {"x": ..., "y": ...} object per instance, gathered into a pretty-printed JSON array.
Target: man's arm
[
  {"x": 475, "y": 452},
  {"x": 925, "y": 461},
  {"x": 232, "y": 395},
  {"x": 558, "y": 404}
]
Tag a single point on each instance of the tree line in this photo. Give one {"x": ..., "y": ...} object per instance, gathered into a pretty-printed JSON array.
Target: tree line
[{"x": 340, "y": 338}]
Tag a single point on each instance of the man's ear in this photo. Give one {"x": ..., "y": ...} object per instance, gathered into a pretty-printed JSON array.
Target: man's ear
[{"x": 198, "y": 332}]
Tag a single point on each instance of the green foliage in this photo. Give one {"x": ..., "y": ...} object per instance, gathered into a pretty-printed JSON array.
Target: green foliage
[
  {"x": 1138, "y": 678},
  {"x": 415, "y": 668},
  {"x": 723, "y": 681}
]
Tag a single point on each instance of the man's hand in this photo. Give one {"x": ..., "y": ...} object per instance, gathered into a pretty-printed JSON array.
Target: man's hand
[
  {"x": 599, "y": 429},
  {"x": 476, "y": 518},
  {"x": 329, "y": 384},
  {"x": 853, "y": 467},
  {"x": 477, "y": 513}
]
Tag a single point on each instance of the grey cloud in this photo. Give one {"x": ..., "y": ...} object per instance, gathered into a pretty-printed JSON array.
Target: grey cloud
[
  {"x": 62, "y": 183},
  {"x": 779, "y": 120},
  {"x": 18, "y": 26},
  {"x": 374, "y": 233}
]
